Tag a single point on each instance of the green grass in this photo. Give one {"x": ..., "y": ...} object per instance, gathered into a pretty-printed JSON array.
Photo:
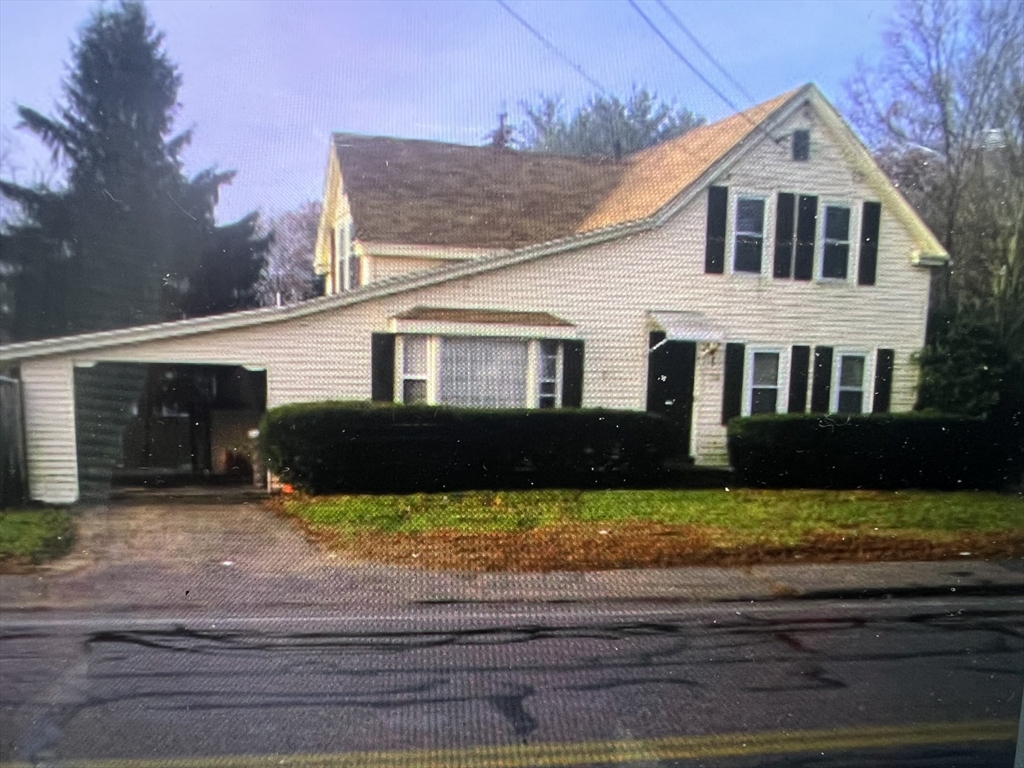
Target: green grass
[
  {"x": 35, "y": 535},
  {"x": 782, "y": 516}
]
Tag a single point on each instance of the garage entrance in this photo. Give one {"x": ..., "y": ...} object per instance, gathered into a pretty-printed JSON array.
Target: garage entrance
[{"x": 162, "y": 425}]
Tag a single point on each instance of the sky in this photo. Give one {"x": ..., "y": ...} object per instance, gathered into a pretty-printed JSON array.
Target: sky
[{"x": 266, "y": 82}]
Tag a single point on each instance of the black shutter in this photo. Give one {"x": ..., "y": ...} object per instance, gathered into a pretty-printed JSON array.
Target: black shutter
[
  {"x": 801, "y": 145},
  {"x": 382, "y": 363},
  {"x": 821, "y": 388},
  {"x": 785, "y": 217},
  {"x": 714, "y": 248},
  {"x": 883, "y": 380},
  {"x": 572, "y": 374},
  {"x": 806, "y": 229},
  {"x": 868, "y": 262},
  {"x": 799, "y": 373},
  {"x": 732, "y": 389}
]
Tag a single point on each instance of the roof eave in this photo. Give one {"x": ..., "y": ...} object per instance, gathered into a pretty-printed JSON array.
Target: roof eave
[{"x": 930, "y": 259}]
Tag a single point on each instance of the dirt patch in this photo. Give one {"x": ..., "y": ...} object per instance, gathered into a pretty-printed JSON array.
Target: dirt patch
[{"x": 595, "y": 547}]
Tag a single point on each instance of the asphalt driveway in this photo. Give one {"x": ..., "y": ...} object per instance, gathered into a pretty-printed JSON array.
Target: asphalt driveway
[{"x": 188, "y": 552}]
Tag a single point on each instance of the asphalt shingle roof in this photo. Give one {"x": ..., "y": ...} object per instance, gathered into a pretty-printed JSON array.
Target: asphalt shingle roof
[{"x": 431, "y": 193}]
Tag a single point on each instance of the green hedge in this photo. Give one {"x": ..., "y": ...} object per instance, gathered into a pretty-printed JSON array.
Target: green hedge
[
  {"x": 907, "y": 450},
  {"x": 358, "y": 447}
]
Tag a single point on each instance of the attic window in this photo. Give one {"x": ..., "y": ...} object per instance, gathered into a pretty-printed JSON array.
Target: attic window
[{"x": 801, "y": 145}]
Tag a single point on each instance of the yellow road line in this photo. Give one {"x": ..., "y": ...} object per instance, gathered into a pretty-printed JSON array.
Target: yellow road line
[{"x": 550, "y": 755}]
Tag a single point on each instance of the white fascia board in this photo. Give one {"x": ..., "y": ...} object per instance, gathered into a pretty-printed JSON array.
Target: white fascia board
[{"x": 440, "y": 252}]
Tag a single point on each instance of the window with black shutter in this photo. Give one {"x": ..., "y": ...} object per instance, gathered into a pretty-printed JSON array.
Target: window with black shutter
[
  {"x": 785, "y": 221},
  {"x": 806, "y": 228},
  {"x": 868, "y": 262},
  {"x": 714, "y": 247}
]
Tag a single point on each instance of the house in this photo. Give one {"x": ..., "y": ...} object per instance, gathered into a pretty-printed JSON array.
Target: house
[{"x": 761, "y": 263}]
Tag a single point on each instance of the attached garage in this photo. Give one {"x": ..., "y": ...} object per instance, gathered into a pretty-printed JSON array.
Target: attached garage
[{"x": 155, "y": 425}]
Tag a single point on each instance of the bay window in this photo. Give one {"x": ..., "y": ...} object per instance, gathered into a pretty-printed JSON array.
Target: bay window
[{"x": 480, "y": 372}]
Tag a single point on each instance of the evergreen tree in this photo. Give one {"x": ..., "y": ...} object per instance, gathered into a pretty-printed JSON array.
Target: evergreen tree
[
  {"x": 128, "y": 238},
  {"x": 606, "y": 126}
]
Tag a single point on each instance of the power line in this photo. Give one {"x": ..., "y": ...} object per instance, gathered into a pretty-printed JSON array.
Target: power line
[
  {"x": 552, "y": 47},
  {"x": 678, "y": 22},
  {"x": 679, "y": 55}
]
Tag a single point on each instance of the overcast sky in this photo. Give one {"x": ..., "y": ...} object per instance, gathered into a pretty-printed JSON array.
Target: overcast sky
[{"x": 266, "y": 82}]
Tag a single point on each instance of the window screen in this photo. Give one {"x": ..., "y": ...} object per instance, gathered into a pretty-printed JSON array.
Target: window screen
[
  {"x": 483, "y": 373},
  {"x": 764, "y": 393},
  {"x": 837, "y": 242},
  {"x": 851, "y": 384},
  {"x": 749, "y": 235}
]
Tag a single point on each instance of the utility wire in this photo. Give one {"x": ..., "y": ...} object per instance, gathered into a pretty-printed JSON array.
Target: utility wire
[
  {"x": 679, "y": 55},
  {"x": 678, "y": 22},
  {"x": 552, "y": 47}
]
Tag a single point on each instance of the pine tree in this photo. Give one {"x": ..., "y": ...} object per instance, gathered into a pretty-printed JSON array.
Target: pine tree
[
  {"x": 128, "y": 238},
  {"x": 606, "y": 126}
]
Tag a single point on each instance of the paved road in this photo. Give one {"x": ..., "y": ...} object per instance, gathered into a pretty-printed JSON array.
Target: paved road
[{"x": 906, "y": 682}]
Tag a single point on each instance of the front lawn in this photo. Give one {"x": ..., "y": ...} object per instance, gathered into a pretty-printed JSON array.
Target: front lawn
[
  {"x": 574, "y": 530},
  {"x": 33, "y": 536}
]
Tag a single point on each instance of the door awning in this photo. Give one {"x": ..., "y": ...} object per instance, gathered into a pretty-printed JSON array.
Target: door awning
[{"x": 685, "y": 326}]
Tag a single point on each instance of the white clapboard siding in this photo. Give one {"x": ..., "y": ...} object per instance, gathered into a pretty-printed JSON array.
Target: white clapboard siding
[
  {"x": 604, "y": 290},
  {"x": 47, "y": 394}
]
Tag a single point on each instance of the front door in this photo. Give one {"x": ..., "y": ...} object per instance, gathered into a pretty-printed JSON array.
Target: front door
[{"x": 670, "y": 367}]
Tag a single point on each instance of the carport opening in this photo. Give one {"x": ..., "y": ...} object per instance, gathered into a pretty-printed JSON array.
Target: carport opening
[{"x": 193, "y": 425}]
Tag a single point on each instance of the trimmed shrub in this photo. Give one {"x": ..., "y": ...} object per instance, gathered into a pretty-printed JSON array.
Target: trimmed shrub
[
  {"x": 358, "y": 447},
  {"x": 906, "y": 450}
]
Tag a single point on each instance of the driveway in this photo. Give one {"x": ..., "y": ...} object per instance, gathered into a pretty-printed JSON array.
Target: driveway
[
  {"x": 232, "y": 556},
  {"x": 192, "y": 553}
]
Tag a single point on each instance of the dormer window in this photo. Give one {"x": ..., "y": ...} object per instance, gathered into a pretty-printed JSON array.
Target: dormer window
[{"x": 801, "y": 145}]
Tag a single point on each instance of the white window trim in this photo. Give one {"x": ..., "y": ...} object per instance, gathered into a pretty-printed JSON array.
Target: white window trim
[
  {"x": 533, "y": 374},
  {"x": 867, "y": 386},
  {"x": 430, "y": 376},
  {"x": 782, "y": 401},
  {"x": 767, "y": 237},
  {"x": 819, "y": 246}
]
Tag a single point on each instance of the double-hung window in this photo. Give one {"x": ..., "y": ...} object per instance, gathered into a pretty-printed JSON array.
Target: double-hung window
[
  {"x": 749, "y": 235},
  {"x": 548, "y": 385},
  {"x": 414, "y": 369},
  {"x": 765, "y": 382},
  {"x": 835, "y": 256},
  {"x": 851, "y": 374}
]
